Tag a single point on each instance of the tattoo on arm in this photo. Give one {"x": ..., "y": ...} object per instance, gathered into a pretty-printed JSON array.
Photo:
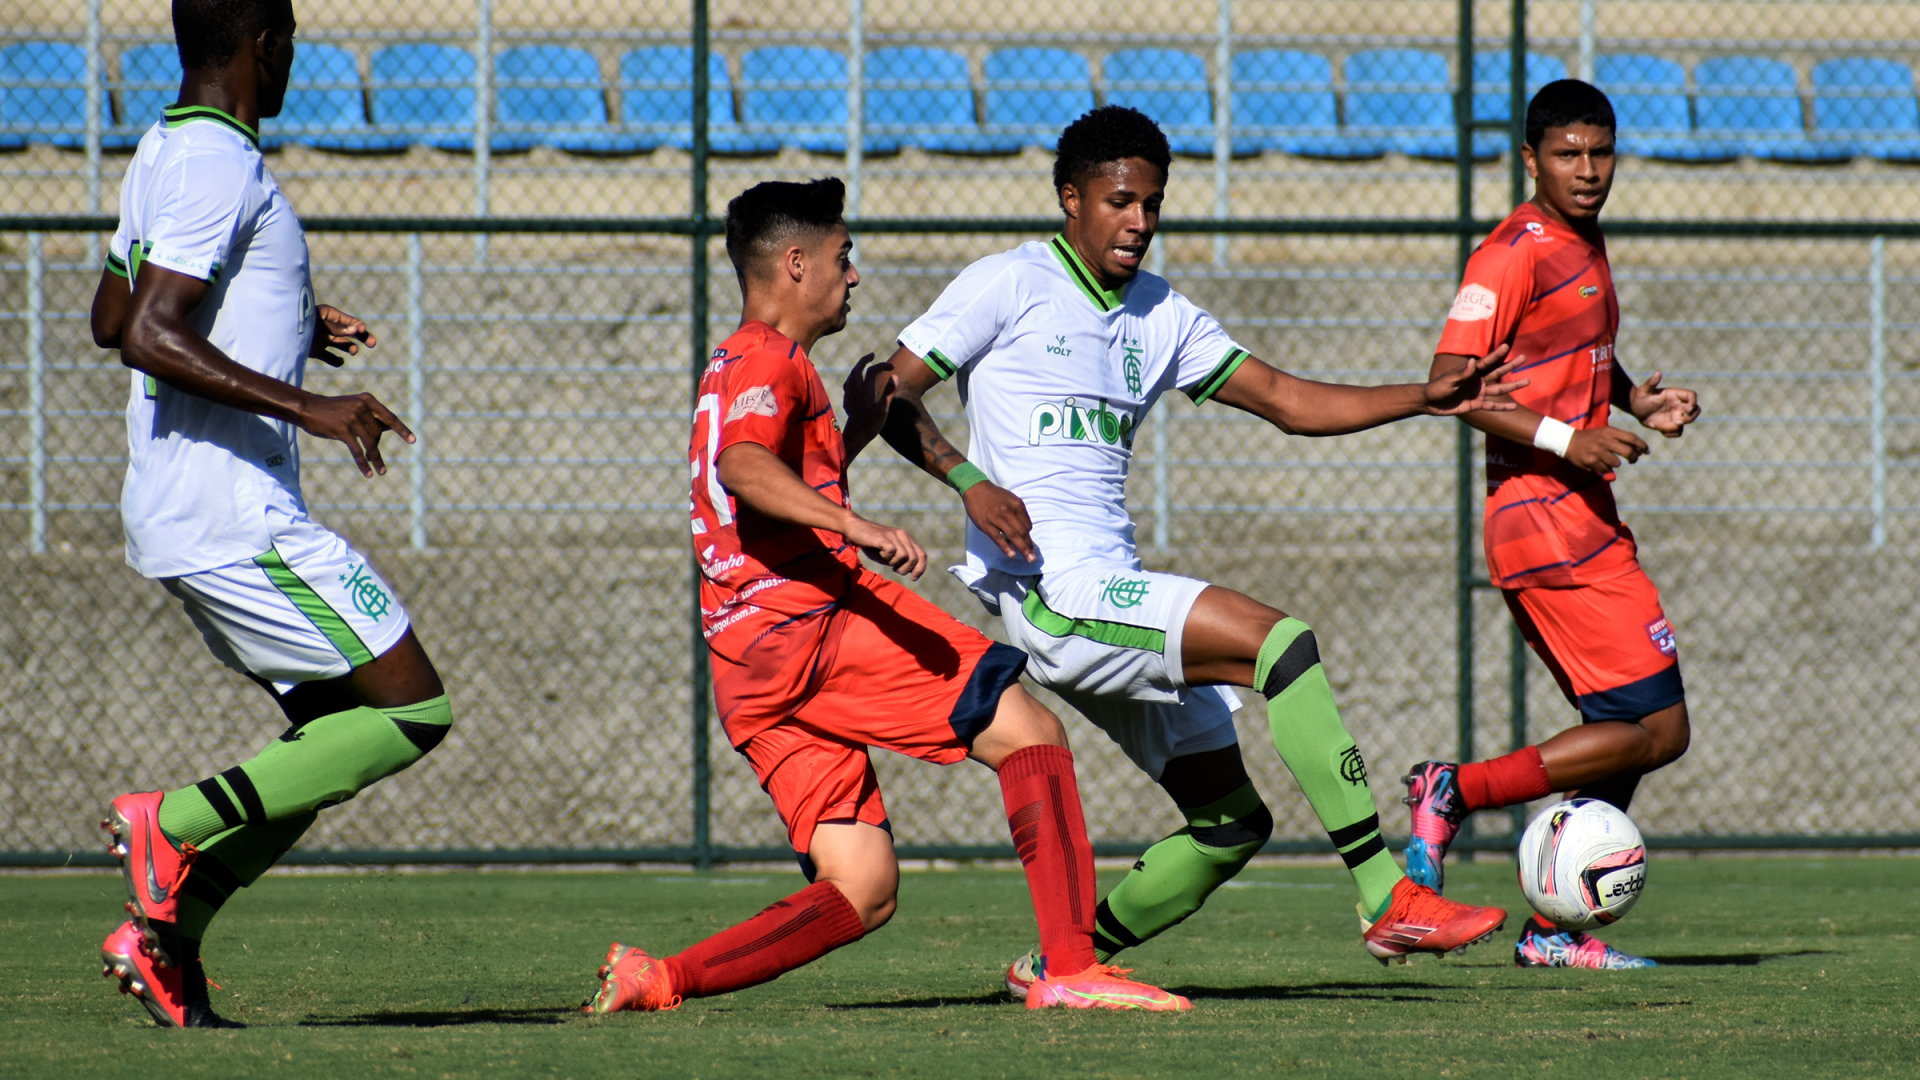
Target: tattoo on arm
[{"x": 914, "y": 435}]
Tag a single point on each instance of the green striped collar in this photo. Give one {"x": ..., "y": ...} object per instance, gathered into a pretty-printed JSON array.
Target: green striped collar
[
  {"x": 181, "y": 114},
  {"x": 1103, "y": 299}
]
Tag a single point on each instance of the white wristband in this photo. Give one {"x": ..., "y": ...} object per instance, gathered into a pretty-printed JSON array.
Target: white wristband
[{"x": 1553, "y": 436}]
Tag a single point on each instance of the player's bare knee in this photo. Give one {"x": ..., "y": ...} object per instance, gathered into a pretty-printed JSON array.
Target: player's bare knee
[
  {"x": 1019, "y": 722},
  {"x": 1671, "y": 735},
  {"x": 873, "y": 893}
]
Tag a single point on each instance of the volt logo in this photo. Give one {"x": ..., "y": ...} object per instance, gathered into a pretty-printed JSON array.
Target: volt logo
[
  {"x": 1070, "y": 421},
  {"x": 1059, "y": 346}
]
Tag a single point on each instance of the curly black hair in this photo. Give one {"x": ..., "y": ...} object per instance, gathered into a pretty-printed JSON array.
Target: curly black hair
[
  {"x": 767, "y": 215},
  {"x": 1108, "y": 133},
  {"x": 208, "y": 32},
  {"x": 1564, "y": 103}
]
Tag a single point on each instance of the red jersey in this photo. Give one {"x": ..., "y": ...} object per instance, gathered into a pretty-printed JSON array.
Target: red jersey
[
  {"x": 1541, "y": 288},
  {"x": 757, "y": 573}
]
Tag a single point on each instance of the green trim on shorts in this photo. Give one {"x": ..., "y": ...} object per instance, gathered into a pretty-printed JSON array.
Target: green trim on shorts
[
  {"x": 317, "y": 610},
  {"x": 1124, "y": 635}
]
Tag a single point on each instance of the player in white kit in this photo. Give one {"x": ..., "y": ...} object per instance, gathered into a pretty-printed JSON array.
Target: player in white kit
[
  {"x": 1060, "y": 350},
  {"x": 208, "y": 297}
]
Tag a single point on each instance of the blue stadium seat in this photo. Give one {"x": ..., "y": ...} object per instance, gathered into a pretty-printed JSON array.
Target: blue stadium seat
[
  {"x": 797, "y": 93},
  {"x": 324, "y": 106},
  {"x": 1754, "y": 103},
  {"x": 922, "y": 97},
  {"x": 422, "y": 93},
  {"x": 149, "y": 82},
  {"x": 1400, "y": 99},
  {"x": 1650, "y": 107},
  {"x": 1870, "y": 104},
  {"x": 43, "y": 95},
  {"x": 656, "y": 103},
  {"x": 1170, "y": 86},
  {"x": 1492, "y": 99},
  {"x": 1284, "y": 100},
  {"x": 1032, "y": 94},
  {"x": 551, "y": 95}
]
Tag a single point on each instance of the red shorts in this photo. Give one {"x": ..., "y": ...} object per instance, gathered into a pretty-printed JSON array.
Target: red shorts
[
  {"x": 1608, "y": 644},
  {"x": 884, "y": 668}
]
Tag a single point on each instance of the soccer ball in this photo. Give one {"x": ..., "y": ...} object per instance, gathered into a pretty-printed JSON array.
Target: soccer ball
[{"x": 1582, "y": 864}]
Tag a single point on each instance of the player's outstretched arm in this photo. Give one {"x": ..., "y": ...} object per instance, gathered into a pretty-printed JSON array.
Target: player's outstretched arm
[
  {"x": 759, "y": 479},
  {"x": 1597, "y": 450},
  {"x": 158, "y": 338},
  {"x": 914, "y": 434},
  {"x": 1303, "y": 407}
]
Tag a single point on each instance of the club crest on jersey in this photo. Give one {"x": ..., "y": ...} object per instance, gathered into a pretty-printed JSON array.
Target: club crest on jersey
[
  {"x": 1070, "y": 421},
  {"x": 1130, "y": 364},
  {"x": 1125, "y": 592},
  {"x": 758, "y": 401},
  {"x": 369, "y": 598},
  {"x": 1474, "y": 304},
  {"x": 1660, "y": 632}
]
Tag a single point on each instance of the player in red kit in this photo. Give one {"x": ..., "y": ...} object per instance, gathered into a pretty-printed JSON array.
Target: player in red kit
[
  {"x": 1555, "y": 544},
  {"x": 816, "y": 659}
]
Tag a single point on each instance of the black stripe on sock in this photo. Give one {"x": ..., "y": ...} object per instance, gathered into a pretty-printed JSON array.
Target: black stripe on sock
[
  {"x": 216, "y": 873},
  {"x": 1103, "y": 943},
  {"x": 423, "y": 736},
  {"x": 1111, "y": 928},
  {"x": 216, "y": 796},
  {"x": 1354, "y": 832},
  {"x": 243, "y": 789},
  {"x": 1254, "y": 828},
  {"x": 1364, "y": 852},
  {"x": 204, "y": 889},
  {"x": 1301, "y": 655}
]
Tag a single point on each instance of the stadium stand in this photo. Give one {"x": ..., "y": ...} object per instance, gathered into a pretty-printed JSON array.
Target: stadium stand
[
  {"x": 325, "y": 106},
  {"x": 1284, "y": 100},
  {"x": 1492, "y": 97},
  {"x": 1869, "y": 103},
  {"x": 1399, "y": 99},
  {"x": 43, "y": 95},
  {"x": 422, "y": 93},
  {"x": 1650, "y": 106},
  {"x": 922, "y": 97},
  {"x": 798, "y": 94},
  {"x": 656, "y": 103},
  {"x": 1168, "y": 85},
  {"x": 149, "y": 82},
  {"x": 1753, "y": 104},
  {"x": 1032, "y": 93},
  {"x": 551, "y": 95}
]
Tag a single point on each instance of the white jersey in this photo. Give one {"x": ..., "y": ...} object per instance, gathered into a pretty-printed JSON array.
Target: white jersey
[
  {"x": 1056, "y": 375},
  {"x": 198, "y": 200}
]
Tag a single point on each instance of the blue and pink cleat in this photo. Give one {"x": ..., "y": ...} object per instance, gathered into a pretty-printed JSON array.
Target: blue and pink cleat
[
  {"x": 1544, "y": 945},
  {"x": 1433, "y": 791}
]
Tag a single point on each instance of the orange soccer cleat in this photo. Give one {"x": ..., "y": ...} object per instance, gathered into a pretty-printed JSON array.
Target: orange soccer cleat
[
  {"x": 125, "y": 954},
  {"x": 1099, "y": 987},
  {"x": 630, "y": 979},
  {"x": 151, "y": 866},
  {"x": 1421, "y": 920}
]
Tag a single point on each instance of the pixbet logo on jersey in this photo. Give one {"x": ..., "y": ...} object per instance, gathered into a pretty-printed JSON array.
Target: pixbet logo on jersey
[{"x": 1073, "y": 422}]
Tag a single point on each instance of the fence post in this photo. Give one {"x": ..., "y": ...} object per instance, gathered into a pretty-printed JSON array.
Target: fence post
[
  {"x": 1586, "y": 38},
  {"x": 1877, "y": 354},
  {"x": 702, "y": 779},
  {"x": 96, "y": 80},
  {"x": 1517, "y": 178},
  {"x": 416, "y": 399},
  {"x": 1222, "y": 124},
  {"x": 1463, "y": 441},
  {"x": 36, "y": 393},
  {"x": 856, "y": 100},
  {"x": 482, "y": 120}
]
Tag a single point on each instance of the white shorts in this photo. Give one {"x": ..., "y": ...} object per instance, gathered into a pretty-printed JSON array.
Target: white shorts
[
  {"x": 308, "y": 608},
  {"x": 1107, "y": 639}
]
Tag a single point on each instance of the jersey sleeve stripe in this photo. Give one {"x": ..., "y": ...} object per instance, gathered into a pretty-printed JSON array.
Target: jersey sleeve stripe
[
  {"x": 117, "y": 265},
  {"x": 941, "y": 366},
  {"x": 1211, "y": 385}
]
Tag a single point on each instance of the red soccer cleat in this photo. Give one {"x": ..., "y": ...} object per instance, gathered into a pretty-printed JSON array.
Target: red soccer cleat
[
  {"x": 1099, "y": 987},
  {"x": 125, "y": 954},
  {"x": 1421, "y": 920},
  {"x": 151, "y": 866},
  {"x": 630, "y": 979}
]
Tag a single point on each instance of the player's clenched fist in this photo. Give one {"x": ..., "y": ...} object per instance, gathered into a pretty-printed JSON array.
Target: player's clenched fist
[
  {"x": 893, "y": 548},
  {"x": 1601, "y": 449},
  {"x": 354, "y": 419}
]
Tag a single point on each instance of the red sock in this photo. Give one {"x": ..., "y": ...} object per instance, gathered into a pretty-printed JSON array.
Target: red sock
[
  {"x": 792, "y": 932},
  {"x": 1043, "y": 813},
  {"x": 1504, "y": 781}
]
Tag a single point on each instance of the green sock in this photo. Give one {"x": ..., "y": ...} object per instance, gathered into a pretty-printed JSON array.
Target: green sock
[
  {"x": 1176, "y": 875},
  {"x": 230, "y": 862},
  {"x": 1322, "y": 757},
  {"x": 315, "y": 765}
]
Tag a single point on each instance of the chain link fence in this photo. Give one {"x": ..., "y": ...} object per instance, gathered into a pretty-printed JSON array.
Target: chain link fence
[{"x": 516, "y": 195}]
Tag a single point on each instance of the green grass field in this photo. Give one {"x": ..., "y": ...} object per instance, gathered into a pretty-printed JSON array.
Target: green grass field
[{"x": 1773, "y": 967}]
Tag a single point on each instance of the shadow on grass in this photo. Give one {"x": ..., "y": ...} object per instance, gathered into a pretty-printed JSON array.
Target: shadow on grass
[
  {"x": 1326, "y": 991},
  {"x": 1744, "y": 959},
  {"x": 1000, "y": 998},
  {"x": 444, "y": 1018}
]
